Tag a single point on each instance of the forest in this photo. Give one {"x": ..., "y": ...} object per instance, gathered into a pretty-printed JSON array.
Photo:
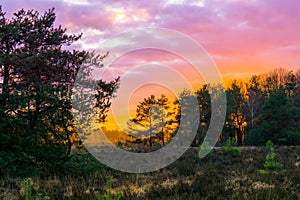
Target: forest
[
  {"x": 264, "y": 107},
  {"x": 42, "y": 156}
]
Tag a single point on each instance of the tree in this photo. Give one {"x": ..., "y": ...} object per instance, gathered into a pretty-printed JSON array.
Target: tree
[
  {"x": 277, "y": 122},
  {"x": 166, "y": 119},
  {"x": 204, "y": 101},
  {"x": 105, "y": 92},
  {"x": 275, "y": 79},
  {"x": 152, "y": 120},
  {"x": 235, "y": 116},
  {"x": 290, "y": 83},
  {"x": 37, "y": 75},
  {"x": 297, "y": 79},
  {"x": 253, "y": 101},
  {"x": 186, "y": 117}
]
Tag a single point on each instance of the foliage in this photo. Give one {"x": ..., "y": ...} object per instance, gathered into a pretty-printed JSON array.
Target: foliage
[
  {"x": 278, "y": 121},
  {"x": 153, "y": 120},
  {"x": 204, "y": 101},
  {"x": 270, "y": 162},
  {"x": 109, "y": 195},
  {"x": 235, "y": 115},
  {"x": 35, "y": 110},
  {"x": 253, "y": 101},
  {"x": 105, "y": 92},
  {"x": 37, "y": 75},
  {"x": 187, "y": 116},
  {"x": 231, "y": 147}
]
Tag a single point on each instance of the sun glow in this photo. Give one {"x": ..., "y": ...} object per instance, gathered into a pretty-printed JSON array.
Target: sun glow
[{"x": 120, "y": 17}]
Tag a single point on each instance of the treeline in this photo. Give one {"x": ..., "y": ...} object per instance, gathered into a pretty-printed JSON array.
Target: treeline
[
  {"x": 265, "y": 107},
  {"x": 37, "y": 75}
]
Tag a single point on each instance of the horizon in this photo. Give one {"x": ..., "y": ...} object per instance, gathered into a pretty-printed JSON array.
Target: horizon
[{"x": 242, "y": 38}]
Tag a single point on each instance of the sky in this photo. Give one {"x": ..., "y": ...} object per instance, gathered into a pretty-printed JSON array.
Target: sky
[{"x": 241, "y": 37}]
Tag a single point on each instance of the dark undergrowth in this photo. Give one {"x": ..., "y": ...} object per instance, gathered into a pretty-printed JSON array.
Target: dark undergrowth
[{"x": 219, "y": 176}]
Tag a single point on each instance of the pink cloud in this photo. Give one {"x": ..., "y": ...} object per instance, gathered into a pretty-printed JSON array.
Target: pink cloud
[{"x": 232, "y": 31}]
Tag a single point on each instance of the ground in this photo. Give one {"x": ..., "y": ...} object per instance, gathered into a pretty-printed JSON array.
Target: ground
[{"x": 219, "y": 176}]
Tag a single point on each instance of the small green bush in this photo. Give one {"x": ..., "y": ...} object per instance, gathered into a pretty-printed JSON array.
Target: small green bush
[
  {"x": 270, "y": 162},
  {"x": 231, "y": 147}
]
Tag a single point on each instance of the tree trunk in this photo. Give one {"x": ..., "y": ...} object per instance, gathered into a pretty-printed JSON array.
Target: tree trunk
[
  {"x": 5, "y": 87},
  {"x": 163, "y": 137}
]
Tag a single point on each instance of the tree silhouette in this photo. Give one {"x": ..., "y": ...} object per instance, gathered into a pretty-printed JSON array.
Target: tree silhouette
[
  {"x": 204, "y": 100},
  {"x": 235, "y": 113},
  {"x": 151, "y": 120},
  {"x": 278, "y": 121},
  {"x": 37, "y": 75},
  {"x": 254, "y": 100},
  {"x": 105, "y": 92}
]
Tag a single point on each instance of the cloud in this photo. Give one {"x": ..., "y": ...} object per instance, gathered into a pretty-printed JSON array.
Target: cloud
[{"x": 232, "y": 31}]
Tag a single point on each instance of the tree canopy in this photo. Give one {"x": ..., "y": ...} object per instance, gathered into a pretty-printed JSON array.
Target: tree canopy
[{"x": 37, "y": 74}]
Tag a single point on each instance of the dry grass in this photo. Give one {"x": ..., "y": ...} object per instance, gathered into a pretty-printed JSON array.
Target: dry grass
[{"x": 217, "y": 177}]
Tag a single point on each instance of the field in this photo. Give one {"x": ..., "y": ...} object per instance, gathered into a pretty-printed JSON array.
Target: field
[
  {"x": 149, "y": 73},
  {"x": 219, "y": 176}
]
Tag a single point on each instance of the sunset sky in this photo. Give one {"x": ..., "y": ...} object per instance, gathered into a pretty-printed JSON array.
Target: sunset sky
[{"x": 242, "y": 37}]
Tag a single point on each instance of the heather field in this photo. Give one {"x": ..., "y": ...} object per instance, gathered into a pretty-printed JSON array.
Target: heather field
[
  {"x": 178, "y": 100},
  {"x": 218, "y": 176}
]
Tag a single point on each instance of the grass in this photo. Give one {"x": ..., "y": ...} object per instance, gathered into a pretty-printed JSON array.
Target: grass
[{"x": 220, "y": 176}]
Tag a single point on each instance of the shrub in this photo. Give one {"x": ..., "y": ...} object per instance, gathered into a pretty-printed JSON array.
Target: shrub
[
  {"x": 270, "y": 162},
  {"x": 231, "y": 147}
]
